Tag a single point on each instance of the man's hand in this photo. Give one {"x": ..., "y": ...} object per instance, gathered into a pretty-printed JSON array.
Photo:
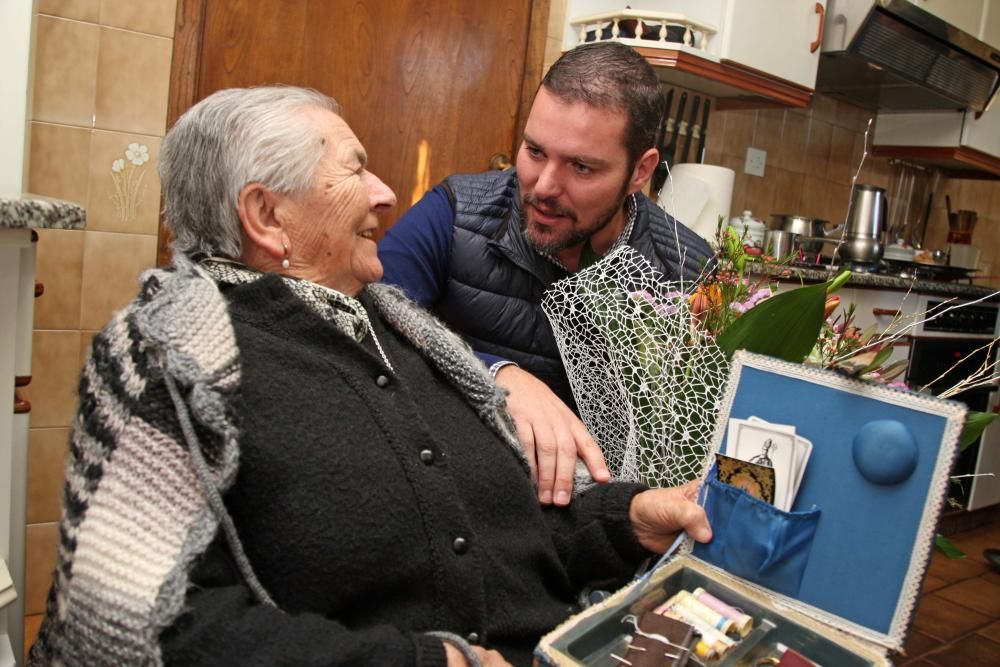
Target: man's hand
[
  {"x": 552, "y": 436},
  {"x": 487, "y": 658},
  {"x": 658, "y": 515}
]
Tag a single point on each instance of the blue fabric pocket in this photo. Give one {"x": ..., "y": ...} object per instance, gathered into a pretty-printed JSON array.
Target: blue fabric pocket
[{"x": 755, "y": 540}]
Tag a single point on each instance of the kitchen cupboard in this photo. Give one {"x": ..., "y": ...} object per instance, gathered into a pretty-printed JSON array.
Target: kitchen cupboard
[
  {"x": 956, "y": 141},
  {"x": 966, "y": 15},
  {"x": 753, "y": 53}
]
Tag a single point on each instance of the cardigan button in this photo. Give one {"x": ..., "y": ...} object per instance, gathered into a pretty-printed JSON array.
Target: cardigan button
[
  {"x": 382, "y": 381},
  {"x": 459, "y": 545},
  {"x": 426, "y": 456},
  {"x": 472, "y": 638}
]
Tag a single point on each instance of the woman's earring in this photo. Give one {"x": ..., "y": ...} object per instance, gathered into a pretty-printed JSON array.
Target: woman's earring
[{"x": 284, "y": 262}]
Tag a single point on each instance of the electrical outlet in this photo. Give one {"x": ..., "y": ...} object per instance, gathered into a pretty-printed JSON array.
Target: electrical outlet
[{"x": 756, "y": 159}]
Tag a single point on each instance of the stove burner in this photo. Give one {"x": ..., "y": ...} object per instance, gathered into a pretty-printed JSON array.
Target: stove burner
[{"x": 890, "y": 267}]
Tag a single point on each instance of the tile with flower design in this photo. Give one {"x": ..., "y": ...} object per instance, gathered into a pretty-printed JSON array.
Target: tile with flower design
[{"x": 124, "y": 186}]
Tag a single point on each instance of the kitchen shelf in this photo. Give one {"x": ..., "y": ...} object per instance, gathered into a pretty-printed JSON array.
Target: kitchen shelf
[
  {"x": 678, "y": 47},
  {"x": 954, "y": 162},
  {"x": 734, "y": 86}
]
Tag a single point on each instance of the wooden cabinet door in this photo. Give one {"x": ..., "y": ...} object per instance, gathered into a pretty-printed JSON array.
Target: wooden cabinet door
[
  {"x": 778, "y": 37},
  {"x": 431, "y": 87}
]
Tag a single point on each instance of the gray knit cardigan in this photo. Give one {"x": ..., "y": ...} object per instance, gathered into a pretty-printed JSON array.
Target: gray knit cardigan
[{"x": 136, "y": 512}]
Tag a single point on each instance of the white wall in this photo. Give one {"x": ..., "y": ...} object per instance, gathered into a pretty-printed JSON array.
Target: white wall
[{"x": 15, "y": 54}]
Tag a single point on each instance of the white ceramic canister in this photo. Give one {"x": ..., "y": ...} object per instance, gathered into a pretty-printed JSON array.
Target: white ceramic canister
[{"x": 754, "y": 229}]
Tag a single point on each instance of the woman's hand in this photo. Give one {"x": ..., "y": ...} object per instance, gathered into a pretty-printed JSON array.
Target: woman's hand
[
  {"x": 488, "y": 658},
  {"x": 658, "y": 515}
]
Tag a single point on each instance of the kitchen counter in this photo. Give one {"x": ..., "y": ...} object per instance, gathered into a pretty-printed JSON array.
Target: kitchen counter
[
  {"x": 38, "y": 213},
  {"x": 878, "y": 281},
  {"x": 19, "y": 218}
]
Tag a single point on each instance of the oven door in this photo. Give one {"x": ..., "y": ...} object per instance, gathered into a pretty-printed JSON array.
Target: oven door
[{"x": 938, "y": 364}]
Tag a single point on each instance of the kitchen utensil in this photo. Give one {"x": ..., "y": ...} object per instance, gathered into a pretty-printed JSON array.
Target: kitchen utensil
[
  {"x": 960, "y": 226},
  {"x": 666, "y": 125},
  {"x": 963, "y": 255},
  {"x": 863, "y": 240},
  {"x": 812, "y": 229},
  {"x": 780, "y": 244},
  {"x": 704, "y": 130},
  {"x": 668, "y": 153},
  {"x": 689, "y": 129},
  {"x": 860, "y": 249},
  {"x": 867, "y": 213}
]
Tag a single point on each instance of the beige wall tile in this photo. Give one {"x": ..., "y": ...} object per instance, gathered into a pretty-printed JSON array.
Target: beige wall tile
[
  {"x": 152, "y": 16},
  {"x": 716, "y": 131},
  {"x": 788, "y": 187},
  {"x": 55, "y": 369},
  {"x": 60, "y": 269},
  {"x": 767, "y": 136},
  {"x": 65, "y": 79},
  {"x": 111, "y": 267},
  {"x": 86, "y": 338},
  {"x": 738, "y": 133},
  {"x": 818, "y": 147},
  {"x": 41, "y": 542},
  {"x": 81, "y": 10},
  {"x": 844, "y": 162},
  {"x": 126, "y": 200},
  {"x": 792, "y": 152},
  {"x": 59, "y": 161},
  {"x": 47, "y": 449},
  {"x": 974, "y": 195},
  {"x": 133, "y": 77},
  {"x": 823, "y": 108}
]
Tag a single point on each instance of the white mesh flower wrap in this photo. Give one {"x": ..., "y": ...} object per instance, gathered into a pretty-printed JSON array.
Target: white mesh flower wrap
[{"x": 646, "y": 381}]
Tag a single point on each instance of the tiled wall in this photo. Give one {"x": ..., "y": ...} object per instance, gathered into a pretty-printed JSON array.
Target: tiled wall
[
  {"x": 99, "y": 107},
  {"x": 812, "y": 155}
]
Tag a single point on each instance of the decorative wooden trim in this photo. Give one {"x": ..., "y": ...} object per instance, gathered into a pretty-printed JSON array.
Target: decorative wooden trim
[
  {"x": 957, "y": 162},
  {"x": 751, "y": 88},
  {"x": 534, "y": 61},
  {"x": 189, "y": 31}
]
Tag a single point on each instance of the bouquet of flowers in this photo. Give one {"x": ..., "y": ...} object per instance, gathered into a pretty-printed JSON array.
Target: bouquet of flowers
[{"x": 647, "y": 359}]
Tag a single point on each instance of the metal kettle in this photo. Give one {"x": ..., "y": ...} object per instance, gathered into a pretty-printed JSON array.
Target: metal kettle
[{"x": 864, "y": 236}]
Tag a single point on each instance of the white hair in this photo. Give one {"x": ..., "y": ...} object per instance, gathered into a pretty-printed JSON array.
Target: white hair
[{"x": 229, "y": 139}]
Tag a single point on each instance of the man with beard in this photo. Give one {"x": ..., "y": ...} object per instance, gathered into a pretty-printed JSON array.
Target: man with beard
[{"x": 481, "y": 250}]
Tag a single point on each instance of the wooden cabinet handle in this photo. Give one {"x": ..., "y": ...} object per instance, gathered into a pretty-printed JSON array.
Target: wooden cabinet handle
[
  {"x": 819, "y": 34},
  {"x": 878, "y": 312},
  {"x": 21, "y": 405}
]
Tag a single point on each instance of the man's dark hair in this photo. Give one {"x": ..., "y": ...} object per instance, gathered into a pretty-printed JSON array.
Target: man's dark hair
[{"x": 613, "y": 76}]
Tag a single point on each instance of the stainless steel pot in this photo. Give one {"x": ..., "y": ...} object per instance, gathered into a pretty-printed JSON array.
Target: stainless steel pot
[
  {"x": 780, "y": 244},
  {"x": 864, "y": 240},
  {"x": 811, "y": 230},
  {"x": 861, "y": 249}
]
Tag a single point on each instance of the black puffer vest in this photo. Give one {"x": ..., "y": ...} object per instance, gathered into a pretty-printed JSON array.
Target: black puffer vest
[{"x": 496, "y": 279}]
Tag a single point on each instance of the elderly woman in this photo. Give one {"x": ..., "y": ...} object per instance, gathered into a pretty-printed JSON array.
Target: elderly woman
[{"x": 277, "y": 462}]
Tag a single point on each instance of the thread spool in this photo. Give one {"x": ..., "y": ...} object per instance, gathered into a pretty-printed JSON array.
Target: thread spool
[
  {"x": 742, "y": 622},
  {"x": 676, "y": 607},
  {"x": 706, "y": 613}
]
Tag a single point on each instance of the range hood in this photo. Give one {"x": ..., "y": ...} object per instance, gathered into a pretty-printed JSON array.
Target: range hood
[{"x": 892, "y": 56}]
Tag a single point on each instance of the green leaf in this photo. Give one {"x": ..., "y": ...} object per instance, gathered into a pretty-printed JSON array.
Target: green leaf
[
  {"x": 880, "y": 358},
  {"x": 838, "y": 282},
  {"x": 785, "y": 326},
  {"x": 947, "y": 547},
  {"x": 975, "y": 424}
]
